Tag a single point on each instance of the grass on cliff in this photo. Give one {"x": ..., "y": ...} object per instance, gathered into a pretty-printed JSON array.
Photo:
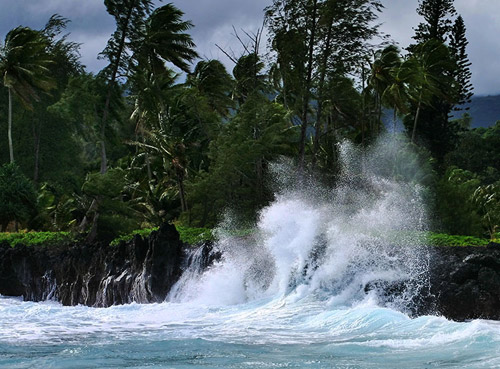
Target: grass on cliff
[
  {"x": 193, "y": 236},
  {"x": 443, "y": 239},
  {"x": 127, "y": 237},
  {"x": 186, "y": 234},
  {"x": 189, "y": 235},
  {"x": 36, "y": 238}
]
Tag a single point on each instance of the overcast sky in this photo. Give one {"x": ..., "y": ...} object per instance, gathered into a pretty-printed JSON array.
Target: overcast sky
[{"x": 213, "y": 20}]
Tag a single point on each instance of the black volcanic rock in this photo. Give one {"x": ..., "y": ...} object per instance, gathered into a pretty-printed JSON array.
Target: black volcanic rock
[
  {"x": 141, "y": 270},
  {"x": 465, "y": 282}
]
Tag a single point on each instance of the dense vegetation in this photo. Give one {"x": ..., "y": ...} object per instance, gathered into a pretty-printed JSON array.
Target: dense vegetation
[{"x": 138, "y": 144}]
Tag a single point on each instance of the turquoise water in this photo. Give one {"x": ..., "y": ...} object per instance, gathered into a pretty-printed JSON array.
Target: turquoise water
[{"x": 279, "y": 333}]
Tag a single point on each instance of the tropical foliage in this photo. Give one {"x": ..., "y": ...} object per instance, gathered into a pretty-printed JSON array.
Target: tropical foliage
[{"x": 160, "y": 135}]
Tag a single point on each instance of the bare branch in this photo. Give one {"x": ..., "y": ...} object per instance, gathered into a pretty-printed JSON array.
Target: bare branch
[
  {"x": 232, "y": 58},
  {"x": 240, "y": 40}
]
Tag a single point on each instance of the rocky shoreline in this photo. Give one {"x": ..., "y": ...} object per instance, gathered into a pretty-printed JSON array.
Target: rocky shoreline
[
  {"x": 464, "y": 282},
  {"x": 141, "y": 270}
]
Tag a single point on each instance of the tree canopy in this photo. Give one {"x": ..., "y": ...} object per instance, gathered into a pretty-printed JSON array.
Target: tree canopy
[{"x": 160, "y": 134}]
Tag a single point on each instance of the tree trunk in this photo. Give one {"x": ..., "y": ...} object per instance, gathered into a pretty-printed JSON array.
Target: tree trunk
[
  {"x": 319, "y": 111},
  {"x": 93, "y": 207},
  {"x": 36, "y": 136},
  {"x": 9, "y": 132},
  {"x": 93, "y": 230},
  {"x": 416, "y": 120},
  {"x": 148, "y": 162},
  {"x": 182, "y": 193},
  {"x": 379, "y": 108},
  {"x": 306, "y": 92},
  {"x": 259, "y": 187},
  {"x": 123, "y": 37},
  {"x": 104, "y": 165}
]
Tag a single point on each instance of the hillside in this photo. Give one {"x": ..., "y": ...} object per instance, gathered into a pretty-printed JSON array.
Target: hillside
[{"x": 485, "y": 111}]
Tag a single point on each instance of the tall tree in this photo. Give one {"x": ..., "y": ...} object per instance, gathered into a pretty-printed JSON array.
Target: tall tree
[
  {"x": 130, "y": 17},
  {"x": 430, "y": 65},
  {"x": 436, "y": 14},
  {"x": 248, "y": 77},
  {"x": 462, "y": 75},
  {"x": 315, "y": 40},
  {"x": 66, "y": 64},
  {"x": 385, "y": 61},
  {"x": 435, "y": 130},
  {"x": 212, "y": 81},
  {"x": 396, "y": 94},
  {"x": 162, "y": 39},
  {"x": 24, "y": 63},
  {"x": 143, "y": 38}
]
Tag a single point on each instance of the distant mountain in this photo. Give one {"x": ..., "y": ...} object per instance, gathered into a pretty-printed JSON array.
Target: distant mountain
[{"x": 484, "y": 110}]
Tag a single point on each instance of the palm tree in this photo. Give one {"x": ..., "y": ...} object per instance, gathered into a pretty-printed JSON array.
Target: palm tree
[
  {"x": 381, "y": 73},
  {"x": 149, "y": 93},
  {"x": 165, "y": 40},
  {"x": 212, "y": 81},
  {"x": 24, "y": 65},
  {"x": 172, "y": 149},
  {"x": 429, "y": 61},
  {"x": 396, "y": 94}
]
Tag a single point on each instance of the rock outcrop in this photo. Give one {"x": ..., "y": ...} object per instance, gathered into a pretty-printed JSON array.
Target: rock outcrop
[
  {"x": 464, "y": 283},
  {"x": 141, "y": 270}
]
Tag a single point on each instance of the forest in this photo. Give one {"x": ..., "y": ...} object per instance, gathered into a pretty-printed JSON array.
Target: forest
[{"x": 161, "y": 135}]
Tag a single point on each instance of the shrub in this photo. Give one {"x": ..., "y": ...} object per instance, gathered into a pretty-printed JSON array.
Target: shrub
[{"x": 18, "y": 197}]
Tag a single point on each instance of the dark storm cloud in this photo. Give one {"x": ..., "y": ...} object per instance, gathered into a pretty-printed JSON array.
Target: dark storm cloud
[
  {"x": 213, "y": 20},
  {"x": 90, "y": 24}
]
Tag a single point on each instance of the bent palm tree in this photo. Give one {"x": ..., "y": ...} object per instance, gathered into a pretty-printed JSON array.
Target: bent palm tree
[
  {"x": 212, "y": 81},
  {"x": 396, "y": 94},
  {"x": 431, "y": 73},
  {"x": 23, "y": 66},
  {"x": 385, "y": 62},
  {"x": 165, "y": 40}
]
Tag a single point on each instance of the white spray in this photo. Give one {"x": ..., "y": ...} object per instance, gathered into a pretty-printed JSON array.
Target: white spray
[{"x": 339, "y": 245}]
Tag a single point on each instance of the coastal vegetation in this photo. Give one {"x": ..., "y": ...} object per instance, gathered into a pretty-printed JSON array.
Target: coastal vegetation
[{"x": 160, "y": 135}]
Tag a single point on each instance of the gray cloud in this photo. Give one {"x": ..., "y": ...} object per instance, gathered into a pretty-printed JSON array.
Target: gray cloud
[
  {"x": 90, "y": 24},
  {"x": 213, "y": 20}
]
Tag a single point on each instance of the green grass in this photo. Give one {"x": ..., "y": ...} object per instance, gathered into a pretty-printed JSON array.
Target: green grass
[
  {"x": 442, "y": 239},
  {"x": 187, "y": 234},
  {"x": 127, "y": 237},
  {"x": 37, "y": 238},
  {"x": 433, "y": 239},
  {"x": 194, "y": 235}
]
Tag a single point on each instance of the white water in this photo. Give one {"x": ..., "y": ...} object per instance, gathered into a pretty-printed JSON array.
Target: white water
[
  {"x": 332, "y": 245},
  {"x": 300, "y": 292}
]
